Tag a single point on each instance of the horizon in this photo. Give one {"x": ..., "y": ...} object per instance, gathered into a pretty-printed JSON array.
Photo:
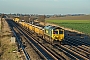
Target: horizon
[
  {"x": 45, "y": 7},
  {"x": 43, "y": 14}
]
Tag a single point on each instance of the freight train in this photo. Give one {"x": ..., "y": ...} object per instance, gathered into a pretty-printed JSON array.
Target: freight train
[{"x": 52, "y": 34}]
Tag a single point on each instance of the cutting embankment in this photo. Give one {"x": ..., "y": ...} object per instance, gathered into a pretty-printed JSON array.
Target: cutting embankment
[{"x": 7, "y": 49}]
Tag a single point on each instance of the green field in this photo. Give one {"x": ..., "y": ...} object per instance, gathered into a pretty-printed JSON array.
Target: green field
[{"x": 80, "y": 25}]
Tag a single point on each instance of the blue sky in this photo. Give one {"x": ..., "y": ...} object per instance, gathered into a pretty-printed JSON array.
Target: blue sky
[{"x": 45, "y": 6}]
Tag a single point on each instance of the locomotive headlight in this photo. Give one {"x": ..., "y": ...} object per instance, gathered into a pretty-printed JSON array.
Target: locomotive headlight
[{"x": 56, "y": 37}]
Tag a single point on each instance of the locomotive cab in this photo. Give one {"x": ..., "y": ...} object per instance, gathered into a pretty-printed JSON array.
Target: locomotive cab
[
  {"x": 54, "y": 34},
  {"x": 57, "y": 35}
]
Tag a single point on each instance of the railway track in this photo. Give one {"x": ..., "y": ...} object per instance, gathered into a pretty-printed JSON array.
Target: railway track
[
  {"x": 62, "y": 55},
  {"x": 72, "y": 49},
  {"x": 55, "y": 53},
  {"x": 27, "y": 57},
  {"x": 78, "y": 48},
  {"x": 81, "y": 48},
  {"x": 52, "y": 53},
  {"x": 42, "y": 50},
  {"x": 73, "y": 54},
  {"x": 80, "y": 45}
]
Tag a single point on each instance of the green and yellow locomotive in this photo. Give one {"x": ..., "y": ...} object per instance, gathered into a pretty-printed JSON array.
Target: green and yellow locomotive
[{"x": 53, "y": 34}]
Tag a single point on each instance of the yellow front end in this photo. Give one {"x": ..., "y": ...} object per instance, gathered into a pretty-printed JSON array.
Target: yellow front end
[
  {"x": 16, "y": 19},
  {"x": 59, "y": 35}
]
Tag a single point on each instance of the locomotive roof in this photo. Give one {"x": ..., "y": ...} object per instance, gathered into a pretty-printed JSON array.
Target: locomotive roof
[
  {"x": 52, "y": 27},
  {"x": 55, "y": 27}
]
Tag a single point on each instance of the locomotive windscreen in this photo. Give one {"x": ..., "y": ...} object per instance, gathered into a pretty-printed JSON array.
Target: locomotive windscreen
[
  {"x": 60, "y": 32},
  {"x": 55, "y": 32}
]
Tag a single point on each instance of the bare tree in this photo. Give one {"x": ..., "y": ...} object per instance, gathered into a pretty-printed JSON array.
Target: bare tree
[
  {"x": 41, "y": 18},
  {"x": 21, "y": 17},
  {"x": 26, "y": 18}
]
